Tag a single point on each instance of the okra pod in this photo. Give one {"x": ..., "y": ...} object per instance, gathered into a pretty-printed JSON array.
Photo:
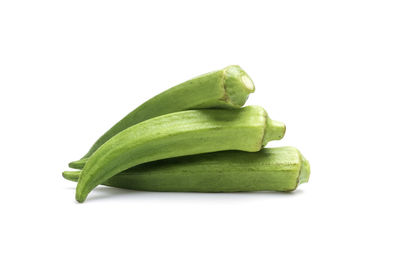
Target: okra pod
[
  {"x": 270, "y": 169},
  {"x": 179, "y": 134},
  {"x": 226, "y": 88}
]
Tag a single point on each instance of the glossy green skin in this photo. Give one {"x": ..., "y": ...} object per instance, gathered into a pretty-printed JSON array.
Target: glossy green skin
[
  {"x": 225, "y": 88},
  {"x": 270, "y": 169},
  {"x": 179, "y": 134}
]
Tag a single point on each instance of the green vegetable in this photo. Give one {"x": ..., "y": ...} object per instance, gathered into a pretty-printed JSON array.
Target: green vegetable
[
  {"x": 270, "y": 169},
  {"x": 179, "y": 134},
  {"x": 226, "y": 88}
]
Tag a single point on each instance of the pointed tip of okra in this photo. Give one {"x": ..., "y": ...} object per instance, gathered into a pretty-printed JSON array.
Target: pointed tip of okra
[
  {"x": 237, "y": 84},
  {"x": 71, "y": 175},
  {"x": 304, "y": 175},
  {"x": 80, "y": 200},
  {"x": 80, "y": 197},
  {"x": 78, "y": 164},
  {"x": 274, "y": 130},
  {"x": 82, "y": 189}
]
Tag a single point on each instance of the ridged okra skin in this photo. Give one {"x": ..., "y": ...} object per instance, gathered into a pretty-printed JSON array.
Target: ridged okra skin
[
  {"x": 270, "y": 169},
  {"x": 226, "y": 88},
  {"x": 179, "y": 134}
]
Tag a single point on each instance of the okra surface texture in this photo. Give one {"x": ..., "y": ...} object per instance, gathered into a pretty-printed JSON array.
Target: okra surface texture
[
  {"x": 179, "y": 134},
  {"x": 226, "y": 88},
  {"x": 270, "y": 169}
]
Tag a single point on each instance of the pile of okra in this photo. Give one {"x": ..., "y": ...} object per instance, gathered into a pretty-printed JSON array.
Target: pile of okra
[{"x": 193, "y": 137}]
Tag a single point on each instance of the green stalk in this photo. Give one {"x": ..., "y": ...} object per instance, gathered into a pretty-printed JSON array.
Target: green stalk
[
  {"x": 270, "y": 169},
  {"x": 179, "y": 134},
  {"x": 226, "y": 88}
]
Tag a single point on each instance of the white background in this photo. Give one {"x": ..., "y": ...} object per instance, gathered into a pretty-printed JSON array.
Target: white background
[{"x": 329, "y": 69}]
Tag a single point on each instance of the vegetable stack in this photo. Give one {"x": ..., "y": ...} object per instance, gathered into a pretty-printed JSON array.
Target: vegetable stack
[{"x": 194, "y": 137}]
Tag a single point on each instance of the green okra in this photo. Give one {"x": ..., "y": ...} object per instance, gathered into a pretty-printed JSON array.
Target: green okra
[
  {"x": 226, "y": 88},
  {"x": 179, "y": 134},
  {"x": 270, "y": 169}
]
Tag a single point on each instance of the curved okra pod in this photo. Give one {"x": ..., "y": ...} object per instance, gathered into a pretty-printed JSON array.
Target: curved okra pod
[
  {"x": 179, "y": 134},
  {"x": 270, "y": 169},
  {"x": 226, "y": 88}
]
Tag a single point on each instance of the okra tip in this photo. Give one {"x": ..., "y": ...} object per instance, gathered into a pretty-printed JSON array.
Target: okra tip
[
  {"x": 71, "y": 175},
  {"x": 83, "y": 188},
  {"x": 80, "y": 196},
  {"x": 78, "y": 164}
]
